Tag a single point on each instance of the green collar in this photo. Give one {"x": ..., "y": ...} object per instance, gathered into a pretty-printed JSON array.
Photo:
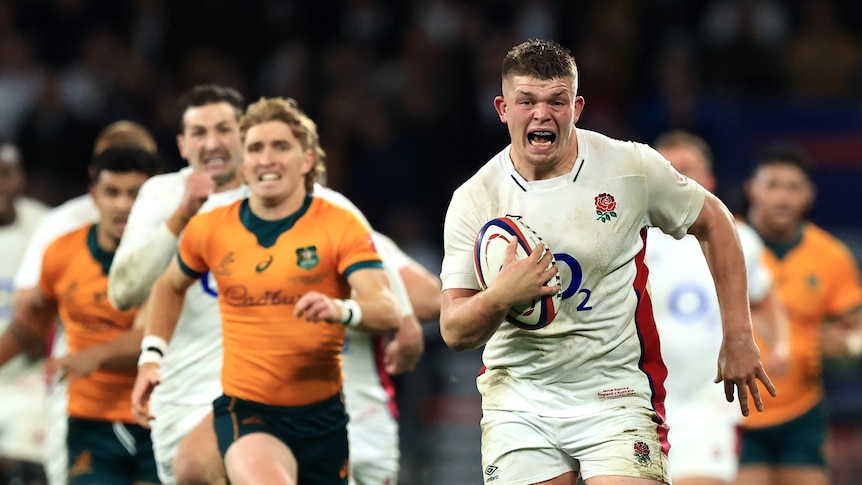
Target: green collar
[
  {"x": 267, "y": 232},
  {"x": 100, "y": 255},
  {"x": 781, "y": 249}
]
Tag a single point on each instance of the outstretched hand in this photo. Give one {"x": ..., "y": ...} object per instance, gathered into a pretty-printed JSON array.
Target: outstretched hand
[
  {"x": 149, "y": 376},
  {"x": 739, "y": 366}
]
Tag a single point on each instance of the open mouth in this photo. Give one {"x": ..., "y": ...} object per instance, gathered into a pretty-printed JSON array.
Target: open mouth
[
  {"x": 269, "y": 177},
  {"x": 541, "y": 139}
]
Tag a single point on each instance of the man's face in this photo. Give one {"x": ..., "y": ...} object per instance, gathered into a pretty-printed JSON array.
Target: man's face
[
  {"x": 274, "y": 163},
  {"x": 689, "y": 162},
  {"x": 114, "y": 193},
  {"x": 210, "y": 141},
  {"x": 779, "y": 195},
  {"x": 541, "y": 116}
]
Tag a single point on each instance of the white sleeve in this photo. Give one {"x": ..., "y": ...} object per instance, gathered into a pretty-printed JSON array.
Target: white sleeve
[
  {"x": 147, "y": 245},
  {"x": 673, "y": 200},
  {"x": 61, "y": 220},
  {"x": 390, "y": 264},
  {"x": 759, "y": 278}
]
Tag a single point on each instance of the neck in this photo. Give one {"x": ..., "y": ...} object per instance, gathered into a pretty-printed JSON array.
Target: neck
[
  {"x": 106, "y": 242},
  {"x": 232, "y": 184},
  {"x": 772, "y": 233},
  {"x": 270, "y": 209}
]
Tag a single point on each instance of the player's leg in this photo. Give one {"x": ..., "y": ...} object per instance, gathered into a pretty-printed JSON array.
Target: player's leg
[
  {"x": 197, "y": 461},
  {"x": 705, "y": 446},
  {"x": 373, "y": 444},
  {"x": 260, "y": 458},
  {"x": 621, "y": 445},
  {"x": 521, "y": 448}
]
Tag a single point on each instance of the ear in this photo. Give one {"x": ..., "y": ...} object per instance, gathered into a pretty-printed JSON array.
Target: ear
[
  {"x": 308, "y": 161},
  {"x": 181, "y": 146},
  {"x": 500, "y": 106},
  {"x": 580, "y": 102}
]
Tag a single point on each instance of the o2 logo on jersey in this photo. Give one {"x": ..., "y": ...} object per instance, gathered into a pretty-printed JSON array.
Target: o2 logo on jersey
[
  {"x": 208, "y": 283},
  {"x": 573, "y": 288},
  {"x": 688, "y": 302}
]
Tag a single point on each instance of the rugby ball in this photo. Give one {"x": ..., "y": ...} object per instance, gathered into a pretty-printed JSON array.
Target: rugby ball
[{"x": 489, "y": 254}]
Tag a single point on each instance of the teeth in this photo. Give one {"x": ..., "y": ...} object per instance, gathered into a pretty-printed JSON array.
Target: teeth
[
  {"x": 269, "y": 176},
  {"x": 540, "y": 144},
  {"x": 542, "y": 133}
]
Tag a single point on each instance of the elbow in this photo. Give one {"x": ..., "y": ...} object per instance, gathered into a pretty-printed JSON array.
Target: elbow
[
  {"x": 121, "y": 297},
  {"x": 455, "y": 340}
]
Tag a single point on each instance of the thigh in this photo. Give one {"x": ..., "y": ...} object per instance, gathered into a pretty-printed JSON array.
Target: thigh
[
  {"x": 374, "y": 453},
  {"x": 626, "y": 441},
  {"x": 520, "y": 449},
  {"x": 22, "y": 420},
  {"x": 172, "y": 424},
  {"x": 95, "y": 454}
]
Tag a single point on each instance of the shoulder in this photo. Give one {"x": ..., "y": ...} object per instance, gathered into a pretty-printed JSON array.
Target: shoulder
[
  {"x": 167, "y": 181},
  {"x": 334, "y": 199},
  {"x": 69, "y": 241},
  {"x": 67, "y": 217},
  {"x": 824, "y": 243}
]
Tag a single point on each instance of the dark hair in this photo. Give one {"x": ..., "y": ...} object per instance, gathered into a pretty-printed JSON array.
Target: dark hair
[
  {"x": 783, "y": 153},
  {"x": 539, "y": 58},
  {"x": 679, "y": 138},
  {"x": 204, "y": 94},
  {"x": 124, "y": 159}
]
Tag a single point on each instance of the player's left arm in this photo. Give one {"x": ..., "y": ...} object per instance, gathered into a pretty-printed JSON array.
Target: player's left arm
[
  {"x": 739, "y": 363},
  {"x": 372, "y": 307},
  {"x": 118, "y": 354},
  {"x": 32, "y": 318}
]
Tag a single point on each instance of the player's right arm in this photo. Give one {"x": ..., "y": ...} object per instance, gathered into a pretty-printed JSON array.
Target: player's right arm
[
  {"x": 150, "y": 241},
  {"x": 468, "y": 318},
  {"x": 160, "y": 321},
  {"x": 31, "y": 322}
]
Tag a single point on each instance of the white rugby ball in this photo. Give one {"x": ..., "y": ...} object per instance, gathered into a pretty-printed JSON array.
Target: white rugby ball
[{"x": 489, "y": 254}]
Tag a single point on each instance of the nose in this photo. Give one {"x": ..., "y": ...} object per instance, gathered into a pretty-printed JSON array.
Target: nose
[
  {"x": 212, "y": 140},
  {"x": 541, "y": 112}
]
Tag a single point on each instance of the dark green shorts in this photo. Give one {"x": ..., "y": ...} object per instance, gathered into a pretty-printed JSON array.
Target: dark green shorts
[
  {"x": 102, "y": 452},
  {"x": 796, "y": 442},
  {"x": 316, "y": 433}
]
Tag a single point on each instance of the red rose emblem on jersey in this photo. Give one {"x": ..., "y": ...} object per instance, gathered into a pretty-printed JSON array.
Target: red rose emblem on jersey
[
  {"x": 605, "y": 207},
  {"x": 641, "y": 452}
]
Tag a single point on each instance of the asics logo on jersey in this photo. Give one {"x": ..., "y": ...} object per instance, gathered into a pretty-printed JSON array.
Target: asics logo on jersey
[
  {"x": 261, "y": 266},
  {"x": 306, "y": 258}
]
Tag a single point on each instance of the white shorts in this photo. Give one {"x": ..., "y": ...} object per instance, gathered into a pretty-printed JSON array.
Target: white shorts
[
  {"x": 373, "y": 441},
  {"x": 171, "y": 424},
  {"x": 22, "y": 418},
  {"x": 56, "y": 456},
  {"x": 704, "y": 444},
  {"x": 520, "y": 448}
]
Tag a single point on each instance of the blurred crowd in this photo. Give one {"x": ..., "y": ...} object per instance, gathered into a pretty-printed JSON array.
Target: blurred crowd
[{"x": 402, "y": 90}]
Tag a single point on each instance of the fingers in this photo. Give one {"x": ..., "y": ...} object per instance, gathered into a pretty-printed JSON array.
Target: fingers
[
  {"x": 770, "y": 387},
  {"x": 743, "y": 398}
]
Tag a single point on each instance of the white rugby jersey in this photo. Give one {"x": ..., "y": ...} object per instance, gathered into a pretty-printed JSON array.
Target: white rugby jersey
[
  {"x": 63, "y": 219},
  {"x": 191, "y": 368},
  {"x": 688, "y": 317},
  {"x": 602, "y": 349},
  {"x": 14, "y": 239}
]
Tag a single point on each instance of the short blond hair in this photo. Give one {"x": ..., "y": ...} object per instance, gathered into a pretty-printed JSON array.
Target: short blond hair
[
  {"x": 125, "y": 132},
  {"x": 304, "y": 129}
]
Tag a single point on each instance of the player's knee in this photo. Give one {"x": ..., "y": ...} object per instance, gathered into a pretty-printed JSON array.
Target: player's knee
[{"x": 192, "y": 470}]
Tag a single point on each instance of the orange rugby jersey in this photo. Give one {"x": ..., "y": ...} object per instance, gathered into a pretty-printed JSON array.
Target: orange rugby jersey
[
  {"x": 817, "y": 278},
  {"x": 75, "y": 275},
  {"x": 262, "y": 268}
]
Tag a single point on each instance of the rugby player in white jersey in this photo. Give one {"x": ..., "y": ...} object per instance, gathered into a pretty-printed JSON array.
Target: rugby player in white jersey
[
  {"x": 703, "y": 425},
  {"x": 61, "y": 220},
  {"x": 585, "y": 394},
  {"x": 22, "y": 383}
]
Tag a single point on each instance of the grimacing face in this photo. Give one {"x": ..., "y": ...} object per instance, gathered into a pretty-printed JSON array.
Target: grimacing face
[
  {"x": 210, "y": 141},
  {"x": 779, "y": 196},
  {"x": 541, "y": 116},
  {"x": 275, "y": 163}
]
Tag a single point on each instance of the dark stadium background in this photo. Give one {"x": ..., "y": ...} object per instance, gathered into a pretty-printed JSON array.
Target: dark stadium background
[{"x": 402, "y": 94}]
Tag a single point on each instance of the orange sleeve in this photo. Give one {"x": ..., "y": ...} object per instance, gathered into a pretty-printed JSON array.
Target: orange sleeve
[
  {"x": 846, "y": 291},
  {"x": 357, "y": 248},
  {"x": 54, "y": 260},
  {"x": 190, "y": 253}
]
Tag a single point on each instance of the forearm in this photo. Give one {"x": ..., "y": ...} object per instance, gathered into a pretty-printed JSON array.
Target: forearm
[
  {"x": 122, "y": 352},
  {"x": 379, "y": 313},
  {"x": 133, "y": 275},
  {"x": 716, "y": 232},
  {"x": 19, "y": 337},
  {"x": 163, "y": 309},
  {"x": 468, "y": 321}
]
